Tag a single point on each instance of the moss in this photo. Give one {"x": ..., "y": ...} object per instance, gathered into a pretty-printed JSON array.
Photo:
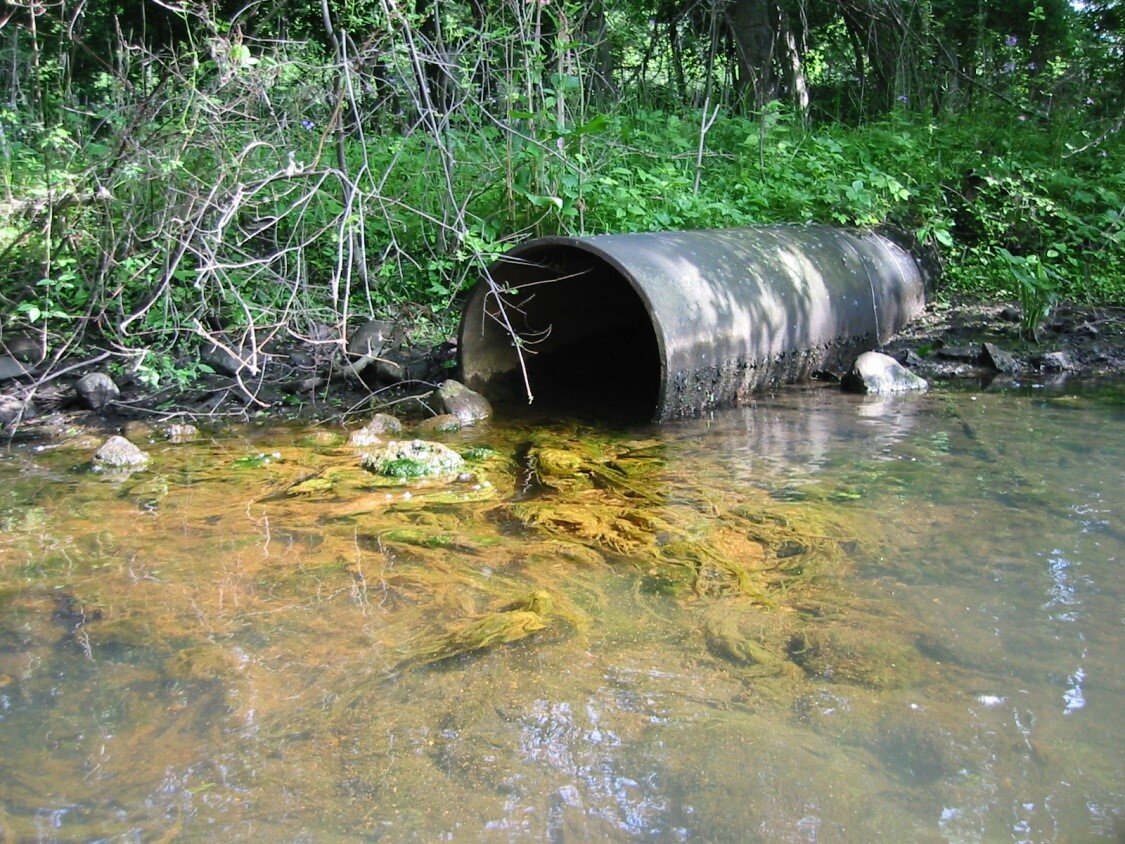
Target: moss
[
  {"x": 311, "y": 486},
  {"x": 403, "y": 467},
  {"x": 424, "y": 539},
  {"x": 480, "y": 453}
]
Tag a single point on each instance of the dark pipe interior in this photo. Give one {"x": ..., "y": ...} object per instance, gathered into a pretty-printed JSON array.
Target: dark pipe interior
[{"x": 589, "y": 341}]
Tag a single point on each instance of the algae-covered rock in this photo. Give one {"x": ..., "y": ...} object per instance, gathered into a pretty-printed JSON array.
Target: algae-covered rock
[
  {"x": 752, "y": 638},
  {"x": 860, "y": 657},
  {"x": 118, "y": 453},
  {"x": 414, "y": 459},
  {"x": 512, "y": 622},
  {"x": 134, "y": 430}
]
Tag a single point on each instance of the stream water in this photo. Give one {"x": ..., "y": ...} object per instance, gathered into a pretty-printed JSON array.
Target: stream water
[{"x": 817, "y": 618}]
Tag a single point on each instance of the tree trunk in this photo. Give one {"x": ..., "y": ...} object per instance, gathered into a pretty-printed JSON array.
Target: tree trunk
[
  {"x": 793, "y": 50},
  {"x": 753, "y": 29},
  {"x": 599, "y": 66},
  {"x": 436, "y": 79}
]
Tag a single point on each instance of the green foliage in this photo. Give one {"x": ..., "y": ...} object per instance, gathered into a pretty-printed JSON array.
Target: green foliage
[
  {"x": 160, "y": 370},
  {"x": 229, "y": 183},
  {"x": 1037, "y": 286}
]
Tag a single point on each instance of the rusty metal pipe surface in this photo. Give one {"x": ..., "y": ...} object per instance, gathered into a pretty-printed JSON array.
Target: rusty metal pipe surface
[{"x": 682, "y": 322}]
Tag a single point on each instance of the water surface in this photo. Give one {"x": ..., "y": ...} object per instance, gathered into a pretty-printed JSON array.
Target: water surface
[{"x": 820, "y": 617}]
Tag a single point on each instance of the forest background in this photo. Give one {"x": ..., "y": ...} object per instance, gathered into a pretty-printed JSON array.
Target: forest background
[{"x": 172, "y": 170}]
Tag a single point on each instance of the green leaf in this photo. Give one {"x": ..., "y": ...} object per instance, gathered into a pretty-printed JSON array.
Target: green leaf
[{"x": 597, "y": 124}]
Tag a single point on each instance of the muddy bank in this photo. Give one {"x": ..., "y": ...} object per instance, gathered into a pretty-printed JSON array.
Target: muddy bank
[
  {"x": 387, "y": 367},
  {"x": 1074, "y": 342}
]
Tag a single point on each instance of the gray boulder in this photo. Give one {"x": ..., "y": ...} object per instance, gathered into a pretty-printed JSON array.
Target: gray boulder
[
  {"x": 230, "y": 356},
  {"x": 880, "y": 374},
  {"x": 373, "y": 432},
  {"x": 1054, "y": 362},
  {"x": 994, "y": 357},
  {"x": 118, "y": 453},
  {"x": 11, "y": 368},
  {"x": 456, "y": 399},
  {"x": 96, "y": 390},
  {"x": 371, "y": 341},
  {"x": 23, "y": 348}
]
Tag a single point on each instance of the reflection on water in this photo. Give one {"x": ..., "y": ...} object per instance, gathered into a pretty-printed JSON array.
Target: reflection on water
[{"x": 820, "y": 617}]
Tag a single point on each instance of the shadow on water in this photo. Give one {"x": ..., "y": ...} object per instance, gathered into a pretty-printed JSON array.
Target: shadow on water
[{"x": 816, "y": 617}]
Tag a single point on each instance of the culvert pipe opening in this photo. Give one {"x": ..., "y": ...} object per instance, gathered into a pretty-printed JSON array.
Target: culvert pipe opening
[
  {"x": 670, "y": 324},
  {"x": 586, "y": 339}
]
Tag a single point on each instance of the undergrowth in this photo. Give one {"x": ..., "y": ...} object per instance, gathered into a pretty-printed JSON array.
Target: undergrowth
[{"x": 242, "y": 200}]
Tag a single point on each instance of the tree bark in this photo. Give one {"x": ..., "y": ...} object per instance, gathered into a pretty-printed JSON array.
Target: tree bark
[
  {"x": 793, "y": 50},
  {"x": 753, "y": 28}
]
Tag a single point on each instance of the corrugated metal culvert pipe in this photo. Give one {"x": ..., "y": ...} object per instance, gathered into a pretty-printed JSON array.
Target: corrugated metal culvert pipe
[{"x": 670, "y": 324}]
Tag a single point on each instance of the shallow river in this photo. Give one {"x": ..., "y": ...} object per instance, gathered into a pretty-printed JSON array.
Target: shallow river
[{"x": 817, "y": 618}]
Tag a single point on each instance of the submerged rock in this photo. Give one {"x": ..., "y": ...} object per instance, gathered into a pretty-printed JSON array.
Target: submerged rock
[
  {"x": 180, "y": 432},
  {"x": 118, "y": 453},
  {"x": 880, "y": 374},
  {"x": 858, "y": 657},
  {"x": 96, "y": 390},
  {"x": 446, "y": 423},
  {"x": 414, "y": 459},
  {"x": 456, "y": 399}
]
